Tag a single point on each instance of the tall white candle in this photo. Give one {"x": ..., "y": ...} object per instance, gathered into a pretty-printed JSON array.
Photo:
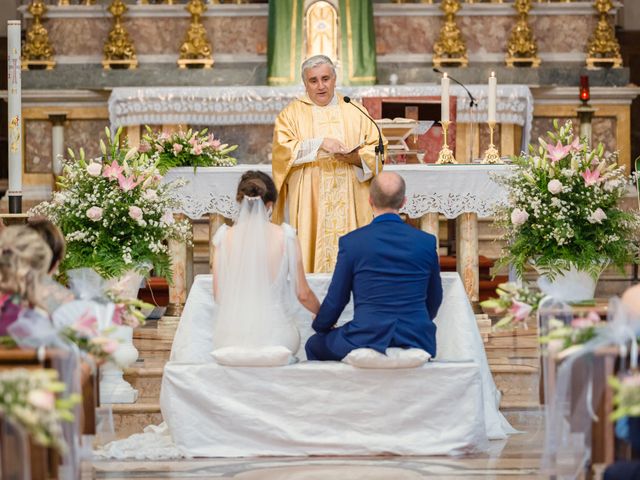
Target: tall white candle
[
  {"x": 14, "y": 87},
  {"x": 444, "y": 98},
  {"x": 493, "y": 90}
]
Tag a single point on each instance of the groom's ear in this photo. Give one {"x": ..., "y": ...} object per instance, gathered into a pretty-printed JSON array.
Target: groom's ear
[{"x": 404, "y": 202}]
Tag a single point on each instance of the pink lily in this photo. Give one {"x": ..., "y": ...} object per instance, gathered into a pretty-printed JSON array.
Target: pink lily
[
  {"x": 86, "y": 324},
  {"x": 585, "y": 322},
  {"x": 558, "y": 152},
  {"x": 215, "y": 144},
  {"x": 591, "y": 177},
  {"x": 575, "y": 145},
  {"x": 127, "y": 183},
  {"x": 520, "y": 311},
  {"x": 112, "y": 171}
]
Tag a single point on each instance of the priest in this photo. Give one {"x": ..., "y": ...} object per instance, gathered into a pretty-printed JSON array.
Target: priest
[{"x": 323, "y": 160}]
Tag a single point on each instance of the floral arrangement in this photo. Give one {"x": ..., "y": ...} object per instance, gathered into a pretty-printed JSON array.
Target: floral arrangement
[
  {"x": 626, "y": 396},
  {"x": 187, "y": 149},
  {"x": 563, "y": 209},
  {"x": 519, "y": 304},
  {"x": 114, "y": 212},
  {"x": 561, "y": 336},
  {"x": 28, "y": 397}
]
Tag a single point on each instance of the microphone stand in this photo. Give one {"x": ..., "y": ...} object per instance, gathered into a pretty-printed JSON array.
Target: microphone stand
[{"x": 379, "y": 149}]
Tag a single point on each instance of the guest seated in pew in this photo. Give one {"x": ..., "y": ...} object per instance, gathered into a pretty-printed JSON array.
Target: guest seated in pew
[
  {"x": 393, "y": 271},
  {"x": 24, "y": 262},
  {"x": 258, "y": 276},
  {"x": 53, "y": 294}
]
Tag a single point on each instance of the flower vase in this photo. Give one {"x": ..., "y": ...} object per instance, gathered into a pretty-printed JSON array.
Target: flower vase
[
  {"x": 113, "y": 387},
  {"x": 569, "y": 286}
]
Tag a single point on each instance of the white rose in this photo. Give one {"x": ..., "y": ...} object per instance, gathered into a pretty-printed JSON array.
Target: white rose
[
  {"x": 94, "y": 169},
  {"x": 42, "y": 399},
  {"x": 150, "y": 194},
  {"x": 167, "y": 218},
  {"x": 597, "y": 216},
  {"x": 555, "y": 186},
  {"x": 95, "y": 214},
  {"x": 519, "y": 217},
  {"x": 135, "y": 212}
]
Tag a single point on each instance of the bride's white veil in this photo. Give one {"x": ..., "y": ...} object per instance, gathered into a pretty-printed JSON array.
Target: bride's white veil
[{"x": 247, "y": 258}]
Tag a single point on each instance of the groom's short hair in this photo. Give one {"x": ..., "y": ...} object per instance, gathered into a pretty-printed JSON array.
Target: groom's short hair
[{"x": 387, "y": 191}]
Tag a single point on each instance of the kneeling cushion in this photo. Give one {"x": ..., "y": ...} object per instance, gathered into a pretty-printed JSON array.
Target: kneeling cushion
[
  {"x": 253, "y": 357},
  {"x": 394, "y": 358}
]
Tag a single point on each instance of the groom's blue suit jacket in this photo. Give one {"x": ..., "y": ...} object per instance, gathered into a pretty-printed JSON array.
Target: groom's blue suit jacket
[{"x": 393, "y": 271}]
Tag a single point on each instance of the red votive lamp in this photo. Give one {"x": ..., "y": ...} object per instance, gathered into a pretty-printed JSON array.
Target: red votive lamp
[{"x": 585, "y": 95}]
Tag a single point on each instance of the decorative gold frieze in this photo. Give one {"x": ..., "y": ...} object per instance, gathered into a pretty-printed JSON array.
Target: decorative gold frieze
[
  {"x": 603, "y": 49},
  {"x": 450, "y": 48},
  {"x": 37, "y": 52},
  {"x": 522, "y": 49},
  {"x": 119, "y": 51},
  {"x": 195, "y": 52}
]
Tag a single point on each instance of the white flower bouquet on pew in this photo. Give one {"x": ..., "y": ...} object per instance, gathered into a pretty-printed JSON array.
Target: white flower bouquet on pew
[
  {"x": 115, "y": 213},
  {"x": 31, "y": 399}
]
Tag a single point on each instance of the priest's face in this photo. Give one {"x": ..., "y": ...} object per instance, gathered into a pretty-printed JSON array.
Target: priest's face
[{"x": 320, "y": 83}]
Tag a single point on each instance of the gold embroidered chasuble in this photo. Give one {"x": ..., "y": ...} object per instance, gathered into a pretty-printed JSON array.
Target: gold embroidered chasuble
[{"x": 325, "y": 199}]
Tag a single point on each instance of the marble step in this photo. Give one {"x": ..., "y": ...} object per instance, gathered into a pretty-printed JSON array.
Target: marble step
[{"x": 133, "y": 418}]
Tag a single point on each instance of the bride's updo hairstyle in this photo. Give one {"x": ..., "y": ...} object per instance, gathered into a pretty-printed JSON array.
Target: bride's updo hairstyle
[{"x": 257, "y": 184}]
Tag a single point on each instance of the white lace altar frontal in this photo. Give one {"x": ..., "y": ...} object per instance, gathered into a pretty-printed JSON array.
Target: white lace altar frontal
[
  {"x": 446, "y": 189},
  {"x": 449, "y": 406}
]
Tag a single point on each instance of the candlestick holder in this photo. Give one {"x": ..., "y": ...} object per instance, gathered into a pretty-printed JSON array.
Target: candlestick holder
[
  {"x": 491, "y": 154},
  {"x": 445, "y": 157}
]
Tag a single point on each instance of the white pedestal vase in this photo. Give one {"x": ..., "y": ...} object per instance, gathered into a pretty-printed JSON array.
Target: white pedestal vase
[
  {"x": 113, "y": 387},
  {"x": 570, "y": 286}
]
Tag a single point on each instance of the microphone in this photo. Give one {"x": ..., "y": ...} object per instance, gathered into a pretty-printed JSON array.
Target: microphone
[
  {"x": 472, "y": 100},
  {"x": 380, "y": 148}
]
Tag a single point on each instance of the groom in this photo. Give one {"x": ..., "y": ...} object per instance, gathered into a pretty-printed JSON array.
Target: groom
[{"x": 393, "y": 271}]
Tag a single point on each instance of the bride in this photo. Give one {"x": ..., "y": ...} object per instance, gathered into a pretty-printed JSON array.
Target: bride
[{"x": 258, "y": 276}]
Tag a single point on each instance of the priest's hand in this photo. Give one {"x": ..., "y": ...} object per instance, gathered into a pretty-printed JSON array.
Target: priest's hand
[
  {"x": 352, "y": 158},
  {"x": 333, "y": 146}
]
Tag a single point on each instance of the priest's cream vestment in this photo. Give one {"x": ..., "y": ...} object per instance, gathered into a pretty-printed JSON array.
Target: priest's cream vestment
[{"x": 321, "y": 197}]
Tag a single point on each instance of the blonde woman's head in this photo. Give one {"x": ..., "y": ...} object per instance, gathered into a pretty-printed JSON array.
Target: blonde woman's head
[{"x": 24, "y": 260}]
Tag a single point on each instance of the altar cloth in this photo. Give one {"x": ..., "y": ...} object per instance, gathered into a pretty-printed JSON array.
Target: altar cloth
[{"x": 445, "y": 407}]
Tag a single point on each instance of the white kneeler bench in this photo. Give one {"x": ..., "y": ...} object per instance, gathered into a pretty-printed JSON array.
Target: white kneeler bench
[
  {"x": 448, "y": 406},
  {"x": 324, "y": 408}
]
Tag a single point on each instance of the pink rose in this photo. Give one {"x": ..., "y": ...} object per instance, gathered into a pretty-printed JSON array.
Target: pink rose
[
  {"x": 108, "y": 345},
  {"x": 555, "y": 186},
  {"x": 95, "y": 214},
  {"x": 150, "y": 194},
  {"x": 42, "y": 399},
  {"x": 177, "y": 148},
  {"x": 135, "y": 212},
  {"x": 519, "y": 217},
  {"x": 144, "y": 147},
  {"x": 94, "y": 169}
]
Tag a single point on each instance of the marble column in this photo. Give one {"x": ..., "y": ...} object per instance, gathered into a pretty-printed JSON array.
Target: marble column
[
  {"x": 430, "y": 223},
  {"x": 215, "y": 221},
  {"x": 57, "y": 143},
  {"x": 178, "y": 289}
]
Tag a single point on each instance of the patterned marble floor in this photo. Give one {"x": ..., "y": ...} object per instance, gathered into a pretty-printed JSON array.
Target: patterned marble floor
[{"x": 515, "y": 458}]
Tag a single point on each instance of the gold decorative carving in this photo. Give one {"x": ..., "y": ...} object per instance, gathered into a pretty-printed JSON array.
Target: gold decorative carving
[
  {"x": 37, "y": 52},
  {"x": 119, "y": 51},
  {"x": 63, "y": 2},
  {"x": 522, "y": 49},
  {"x": 450, "y": 48},
  {"x": 195, "y": 52},
  {"x": 603, "y": 48}
]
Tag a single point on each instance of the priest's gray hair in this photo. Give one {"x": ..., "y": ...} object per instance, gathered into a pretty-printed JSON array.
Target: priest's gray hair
[{"x": 315, "y": 61}]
